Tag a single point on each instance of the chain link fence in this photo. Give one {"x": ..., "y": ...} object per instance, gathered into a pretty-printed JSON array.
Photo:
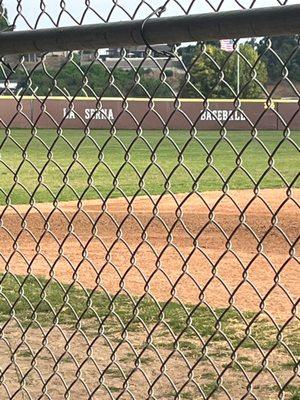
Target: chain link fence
[{"x": 149, "y": 220}]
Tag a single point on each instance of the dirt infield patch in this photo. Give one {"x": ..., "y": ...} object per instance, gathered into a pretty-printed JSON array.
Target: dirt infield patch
[
  {"x": 172, "y": 246},
  {"x": 207, "y": 250},
  {"x": 71, "y": 370}
]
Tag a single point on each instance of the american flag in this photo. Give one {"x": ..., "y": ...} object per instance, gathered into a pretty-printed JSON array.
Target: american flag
[{"x": 227, "y": 45}]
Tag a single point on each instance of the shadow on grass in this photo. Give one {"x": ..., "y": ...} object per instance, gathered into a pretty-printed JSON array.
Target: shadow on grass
[
  {"x": 36, "y": 300},
  {"x": 237, "y": 342}
]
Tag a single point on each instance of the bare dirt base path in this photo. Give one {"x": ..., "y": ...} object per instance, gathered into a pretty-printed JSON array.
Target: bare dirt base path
[{"x": 175, "y": 248}]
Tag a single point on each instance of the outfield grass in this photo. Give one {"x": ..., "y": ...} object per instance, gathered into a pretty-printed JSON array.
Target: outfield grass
[
  {"x": 31, "y": 303},
  {"x": 35, "y": 301},
  {"x": 46, "y": 165}
]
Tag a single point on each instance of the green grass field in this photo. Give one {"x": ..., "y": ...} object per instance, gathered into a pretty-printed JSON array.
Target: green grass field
[
  {"x": 46, "y": 166},
  {"x": 176, "y": 332},
  {"x": 72, "y": 165}
]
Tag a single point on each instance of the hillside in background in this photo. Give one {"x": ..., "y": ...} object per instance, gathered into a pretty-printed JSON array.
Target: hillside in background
[{"x": 283, "y": 89}]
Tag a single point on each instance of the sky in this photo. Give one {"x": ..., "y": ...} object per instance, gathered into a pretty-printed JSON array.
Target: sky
[{"x": 31, "y": 9}]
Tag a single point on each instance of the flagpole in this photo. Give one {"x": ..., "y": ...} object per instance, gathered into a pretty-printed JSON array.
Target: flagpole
[
  {"x": 238, "y": 71},
  {"x": 229, "y": 46}
]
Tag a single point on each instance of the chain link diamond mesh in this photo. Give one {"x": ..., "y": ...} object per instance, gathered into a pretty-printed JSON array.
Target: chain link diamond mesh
[{"x": 152, "y": 256}]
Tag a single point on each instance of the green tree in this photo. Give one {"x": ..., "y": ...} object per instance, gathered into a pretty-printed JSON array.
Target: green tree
[
  {"x": 3, "y": 18},
  {"x": 214, "y": 73},
  {"x": 188, "y": 53},
  {"x": 287, "y": 48},
  {"x": 89, "y": 80}
]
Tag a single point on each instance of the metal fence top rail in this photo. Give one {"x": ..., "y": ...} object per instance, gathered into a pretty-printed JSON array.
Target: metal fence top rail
[
  {"x": 145, "y": 99},
  {"x": 267, "y": 21}
]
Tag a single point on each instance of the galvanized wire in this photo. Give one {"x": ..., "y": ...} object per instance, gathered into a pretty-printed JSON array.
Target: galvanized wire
[{"x": 152, "y": 287}]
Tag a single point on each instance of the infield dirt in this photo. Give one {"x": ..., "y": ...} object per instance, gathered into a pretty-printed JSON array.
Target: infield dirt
[{"x": 236, "y": 248}]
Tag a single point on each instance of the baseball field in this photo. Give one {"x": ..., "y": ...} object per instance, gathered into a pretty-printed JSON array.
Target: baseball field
[
  {"x": 158, "y": 266},
  {"x": 74, "y": 165}
]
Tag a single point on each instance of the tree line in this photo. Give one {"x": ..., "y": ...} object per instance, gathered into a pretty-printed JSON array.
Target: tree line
[
  {"x": 210, "y": 72},
  {"x": 261, "y": 62},
  {"x": 3, "y": 18},
  {"x": 73, "y": 79}
]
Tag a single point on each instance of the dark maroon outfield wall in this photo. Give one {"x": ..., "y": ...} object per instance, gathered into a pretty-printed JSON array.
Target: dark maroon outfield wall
[{"x": 56, "y": 112}]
